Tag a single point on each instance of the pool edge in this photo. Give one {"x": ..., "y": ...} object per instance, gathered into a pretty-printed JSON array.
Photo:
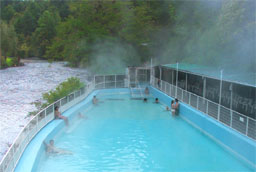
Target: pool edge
[{"x": 207, "y": 125}]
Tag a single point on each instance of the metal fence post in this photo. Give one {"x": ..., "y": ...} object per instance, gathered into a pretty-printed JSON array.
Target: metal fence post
[
  {"x": 207, "y": 107},
  {"x": 231, "y": 118},
  {"x": 170, "y": 89},
  {"x": 247, "y": 123},
  {"x": 197, "y": 102},
  {"x": 13, "y": 163},
  {"x": 221, "y": 75},
  {"x": 189, "y": 97},
  {"x": 115, "y": 81},
  {"x": 44, "y": 117},
  {"x": 94, "y": 81},
  {"x": 104, "y": 81},
  {"x": 165, "y": 88},
  {"x": 218, "y": 112},
  {"x": 37, "y": 123},
  {"x": 182, "y": 95}
]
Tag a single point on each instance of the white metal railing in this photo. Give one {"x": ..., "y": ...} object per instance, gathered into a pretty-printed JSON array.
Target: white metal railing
[
  {"x": 110, "y": 81},
  {"x": 42, "y": 118},
  {"x": 137, "y": 92},
  {"x": 229, "y": 117},
  {"x": 137, "y": 89}
]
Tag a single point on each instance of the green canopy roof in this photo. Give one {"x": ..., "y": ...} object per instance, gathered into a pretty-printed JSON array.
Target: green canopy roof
[{"x": 240, "y": 78}]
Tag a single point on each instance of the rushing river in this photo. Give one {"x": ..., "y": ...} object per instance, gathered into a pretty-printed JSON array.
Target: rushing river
[{"x": 20, "y": 86}]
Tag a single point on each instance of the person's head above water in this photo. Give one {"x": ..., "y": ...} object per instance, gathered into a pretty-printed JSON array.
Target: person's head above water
[
  {"x": 51, "y": 142},
  {"x": 145, "y": 99},
  {"x": 157, "y": 100},
  {"x": 172, "y": 101},
  {"x": 176, "y": 100},
  {"x": 56, "y": 108}
]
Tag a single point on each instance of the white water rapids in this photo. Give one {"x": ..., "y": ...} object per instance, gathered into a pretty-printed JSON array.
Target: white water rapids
[{"x": 20, "y": 86}]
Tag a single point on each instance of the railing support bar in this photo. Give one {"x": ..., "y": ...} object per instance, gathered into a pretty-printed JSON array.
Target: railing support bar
[
  {"x": 115, "y": 81},
  {"x": 197, "y": 102},
  {"x": 247, "y": 123}
]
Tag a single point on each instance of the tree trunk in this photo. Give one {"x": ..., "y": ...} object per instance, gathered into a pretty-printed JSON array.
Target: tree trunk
[{"x": 18, "y": 60}]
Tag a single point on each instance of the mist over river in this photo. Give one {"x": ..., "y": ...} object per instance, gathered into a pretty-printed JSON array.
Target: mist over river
[{"x": 20, "y": 86}]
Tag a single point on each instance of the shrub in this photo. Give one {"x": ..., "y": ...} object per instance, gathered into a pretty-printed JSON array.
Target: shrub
[
  {"x": 15, "y": 61},
  {"x": 3, "y": 63},
  {"x": 9, "y": 62},
  {"x": 63, "y": 90}
]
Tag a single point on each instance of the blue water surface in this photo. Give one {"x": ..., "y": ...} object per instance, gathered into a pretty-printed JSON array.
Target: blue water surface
[{"x": 121, "y": 134}]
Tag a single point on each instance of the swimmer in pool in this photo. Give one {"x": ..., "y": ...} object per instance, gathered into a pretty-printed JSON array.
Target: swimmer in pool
[
  {"x": 146, "y": 91},
  {"x": 173, "y": 107},
  {"x": 94, "y": 100},
  {"x": 156, "y": 100},
  {"x": 177, "y": 106},
  {"x": 51, "y": 149}
]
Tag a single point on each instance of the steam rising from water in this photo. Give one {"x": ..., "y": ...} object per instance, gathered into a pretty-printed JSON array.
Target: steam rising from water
[
  {"x": 112, "y": 57},
  {"x": 215, "y": 33},
  {"x": 219, "y": 34}
]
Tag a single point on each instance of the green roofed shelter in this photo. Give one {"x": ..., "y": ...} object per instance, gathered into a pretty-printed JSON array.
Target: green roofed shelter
[{"x": 248, "y": 79}]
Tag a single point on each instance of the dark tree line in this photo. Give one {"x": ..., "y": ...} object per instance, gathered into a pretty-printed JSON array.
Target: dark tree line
[{"x": 108, "y": 34}]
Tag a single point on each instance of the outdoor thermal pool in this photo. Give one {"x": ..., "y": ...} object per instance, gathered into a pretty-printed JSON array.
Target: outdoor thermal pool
[{"x": 122, "y": 134}]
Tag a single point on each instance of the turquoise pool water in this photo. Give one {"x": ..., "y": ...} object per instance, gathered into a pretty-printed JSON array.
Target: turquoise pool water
[{"x": 128, "y": 135}]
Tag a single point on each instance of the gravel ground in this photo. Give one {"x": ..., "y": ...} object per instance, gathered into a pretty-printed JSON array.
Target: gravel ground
[{"x": 20, "y": 86}]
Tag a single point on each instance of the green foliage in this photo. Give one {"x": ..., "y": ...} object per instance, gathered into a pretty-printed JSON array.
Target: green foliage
[
  {"x": 98, "y": 23},
  {"x": 8, "y": 13},
  {"x": 9, "y": 62},
  {"x": 8, "y": 39},
  {"x": 25, "y": 24},
  {"x": 3, "y": 63},
  {"x": 96, "y": 34},
  {"x": 63, "y": 90},
  {"x": 46, "y": 30}
]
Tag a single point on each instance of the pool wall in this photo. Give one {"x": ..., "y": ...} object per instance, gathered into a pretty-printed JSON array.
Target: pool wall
[{"x": 235, "y": 142}]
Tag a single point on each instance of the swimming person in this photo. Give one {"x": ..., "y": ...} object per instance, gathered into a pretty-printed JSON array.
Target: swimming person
[
  {"x": 58, "y": 115},
  {"x": 50, "y": 148},
  {"x": 172, "y": 107},
  {"x": 146, "y": 91},
  {"x": 177, "y": 107},
  {"x": 145, "y": 100},
  {"x": 156, "y": 100},
  {"x": 94, "y": 100}
]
